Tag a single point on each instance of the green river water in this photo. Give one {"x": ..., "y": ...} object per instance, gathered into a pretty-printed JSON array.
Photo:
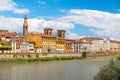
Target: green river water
[{"x": 52, "y": 70}]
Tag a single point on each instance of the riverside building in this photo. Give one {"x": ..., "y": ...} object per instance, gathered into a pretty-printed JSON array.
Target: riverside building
[{"x": 46, "y": 42}]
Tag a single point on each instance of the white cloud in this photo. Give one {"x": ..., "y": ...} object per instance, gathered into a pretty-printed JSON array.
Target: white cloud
[
  {"x": 72, "y": 35},
  {"x": 41, "y": 2},
  {"x": 62, "y": 10},
  {"x": 105, "y": 23},
  {"x": 93, "y": 18},
  {"x": 11, "y": 24},
  {"x": 21, "y": 11},
  {"x": 101, "y": 23},
  {"x": 16, "y": 24},
  {"x": 7, "y": 5},
  {"x": 10, "y": 5}
]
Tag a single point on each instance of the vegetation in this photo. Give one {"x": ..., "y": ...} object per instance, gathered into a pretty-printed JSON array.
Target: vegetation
[
  {"x": 29, "y": 55},
  {"x": 14, "y": 55},
  {"x": 84, "y": 54},
  {"x": 12, "y": 60},
  {"x": 37, "y": 55},
  {"x": 110, "y": 71},
  {"x": 118, "y": 57},
  {"x": 100, "y": 52},
  {"x": 5, "y": 47}
]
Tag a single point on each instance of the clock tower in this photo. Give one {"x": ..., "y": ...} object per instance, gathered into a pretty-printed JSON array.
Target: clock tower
[{"x": 25, "y": 26}]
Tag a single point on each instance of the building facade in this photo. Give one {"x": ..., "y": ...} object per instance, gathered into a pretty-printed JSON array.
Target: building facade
[
  {"x": 60, "y": 45},
  {"x": 79, "y": 46},
  {"x": 35, "y": 37},
  {"x": 68, "y": 45},
  {"x": 94, "y": 44},
  {"x": 27, "y": 47},
  {"x": 114, "y": 46},
  {"x": 48, "y": 41}
]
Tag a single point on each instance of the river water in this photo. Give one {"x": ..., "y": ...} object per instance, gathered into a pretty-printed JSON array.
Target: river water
[{"x": 52, "y": 70}]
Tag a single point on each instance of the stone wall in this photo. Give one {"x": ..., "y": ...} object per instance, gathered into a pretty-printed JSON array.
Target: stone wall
[{"x": 34, "y": 55}]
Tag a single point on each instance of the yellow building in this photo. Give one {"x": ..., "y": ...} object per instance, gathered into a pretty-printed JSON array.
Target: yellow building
[
  {"x": 35, "y": 37},
  {"x": 60, "y": 45},
  {"x": 48, "y": 41},
  {"x": 68, "y": 45}
]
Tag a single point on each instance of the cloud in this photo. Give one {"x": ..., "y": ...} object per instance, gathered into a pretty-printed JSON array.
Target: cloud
[
  {"x": 7, "y": 5},
  {"x": 41, "y": 2},
  {"x": 35, "y": 24},
  {"x": 102, "y": 23},
  {"x": 92, "y": 18},
  {"x": 62, "y": 10},
  {"x": 71, "y": 35},
  {"x": 10, "y": 5},
  {"x": 21, "y": 11},
  {"x": 11, "y": 24}
]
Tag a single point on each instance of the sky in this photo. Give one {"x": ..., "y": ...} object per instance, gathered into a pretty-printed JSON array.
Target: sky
[{"x": 80, "y": 18}]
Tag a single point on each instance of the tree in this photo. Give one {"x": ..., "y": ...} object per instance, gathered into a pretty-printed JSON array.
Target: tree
[
  {"x": 5, "y": 47},
  {"x": 110, "y": 71}
]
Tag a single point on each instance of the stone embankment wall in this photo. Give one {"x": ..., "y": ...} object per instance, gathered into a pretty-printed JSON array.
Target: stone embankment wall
[
  {"x": 34, "y": 55},
  {"x": 103, "y": 54}
]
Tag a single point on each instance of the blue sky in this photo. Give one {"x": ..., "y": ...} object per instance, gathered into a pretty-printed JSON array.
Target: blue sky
[{"x": 100, "y": 18}]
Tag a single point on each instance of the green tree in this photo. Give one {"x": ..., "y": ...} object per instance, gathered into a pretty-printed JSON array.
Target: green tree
[{"x": 110, "y": 71}]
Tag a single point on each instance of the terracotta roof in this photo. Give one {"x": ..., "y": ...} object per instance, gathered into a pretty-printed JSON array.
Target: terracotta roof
[
  {"x": 35, "y": 33},
  {"x": 69, "y": 40},
  {"x": 49, "y": 36},
  {"x": 115, "y": 41},
  {"x": 60, "y": 41},
  {"x": 79, "y": 40},
  {"x": 4, "y": 31},
  {"x": 26, "y": 40},
  {"x": 92, "y": 38}
]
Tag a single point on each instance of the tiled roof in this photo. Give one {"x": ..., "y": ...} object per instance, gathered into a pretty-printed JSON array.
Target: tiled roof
[
  {"x": 92, "y": 38},
  {"x": 49, "y": 36},
  {"x": 115, "y": 41}
]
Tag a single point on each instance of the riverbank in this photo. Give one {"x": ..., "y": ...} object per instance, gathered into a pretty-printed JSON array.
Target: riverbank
[
  {"x": 49, "y": 57},
  {"x": 103, "y": 57},
  {"x": 55, "y": 58}
]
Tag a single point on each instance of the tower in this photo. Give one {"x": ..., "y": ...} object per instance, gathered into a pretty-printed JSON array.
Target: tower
[
  {"x": 48, "y": 31},
  {"x": 25, "y": 26},
  {"x": 61, "y": 33}
]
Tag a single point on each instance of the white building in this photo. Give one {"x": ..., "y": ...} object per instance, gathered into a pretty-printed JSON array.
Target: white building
[
  {"x": 13, "y": 44},
  {"x": 98, "y": 45},
  {"x": 27, "y": 47},
  {"x": 80, "y": 46},
  {"x": 89, "y": 44},
  {"x": 113, "y": 45}
]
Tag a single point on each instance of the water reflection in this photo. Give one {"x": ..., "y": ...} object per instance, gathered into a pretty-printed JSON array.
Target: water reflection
[{"x": 53, "y": 70}]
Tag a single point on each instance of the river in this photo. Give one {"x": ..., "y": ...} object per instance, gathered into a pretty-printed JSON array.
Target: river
[{"x": 52, "y": 70}]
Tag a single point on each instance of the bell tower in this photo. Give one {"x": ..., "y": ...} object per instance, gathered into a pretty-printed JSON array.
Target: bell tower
[
  {"x": 48, "y": 31},
  {"x": 25, "y": 26},
  {"x": 61, "y": 33}
]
